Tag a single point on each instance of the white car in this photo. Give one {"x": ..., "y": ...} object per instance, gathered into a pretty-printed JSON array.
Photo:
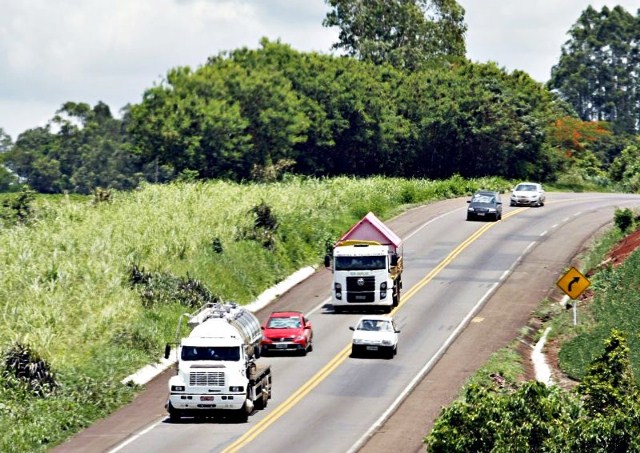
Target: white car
[
  {"x": 528, "y": 194},
  {"x": 375, "y": 334}
]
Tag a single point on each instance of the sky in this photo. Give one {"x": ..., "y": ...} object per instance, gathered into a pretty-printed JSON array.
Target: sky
[{"x": 52, "y": 52}]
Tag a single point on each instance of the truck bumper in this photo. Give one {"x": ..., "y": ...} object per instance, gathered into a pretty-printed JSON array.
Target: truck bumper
[
  {"x": 384, "y": 306},
  {"x": 200, "y": 402}
]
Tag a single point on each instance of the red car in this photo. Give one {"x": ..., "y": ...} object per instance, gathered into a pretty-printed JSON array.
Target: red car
[{"x": 287, "y": 331}]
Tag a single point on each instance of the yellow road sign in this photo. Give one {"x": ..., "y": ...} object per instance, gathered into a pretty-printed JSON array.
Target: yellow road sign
[{"x": 573, "y": 283}]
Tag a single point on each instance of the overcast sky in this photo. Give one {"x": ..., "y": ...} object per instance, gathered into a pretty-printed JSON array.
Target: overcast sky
[{"x": 87, "y": 51}]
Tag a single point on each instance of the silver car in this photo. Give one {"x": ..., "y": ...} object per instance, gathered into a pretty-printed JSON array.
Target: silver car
[{"x": 528, "y": 194}]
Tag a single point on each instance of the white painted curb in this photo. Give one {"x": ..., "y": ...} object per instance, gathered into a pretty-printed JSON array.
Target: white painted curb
[{"x": 149, "y": 372}]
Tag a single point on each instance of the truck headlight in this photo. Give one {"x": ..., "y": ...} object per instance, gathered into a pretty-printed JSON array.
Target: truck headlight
[
  {"x": 236, "y": 388},
  {"x": 177, "y": 388}
]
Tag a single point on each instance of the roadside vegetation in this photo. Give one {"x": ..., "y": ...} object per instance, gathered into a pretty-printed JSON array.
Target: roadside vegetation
[
  {"x": 600, "y": 357},
  {"x": 189, "y": 198},
  {"x": 92, "y": 287}
]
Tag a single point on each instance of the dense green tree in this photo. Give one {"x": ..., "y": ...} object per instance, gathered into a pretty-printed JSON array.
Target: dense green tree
[
  {"x": 221, "y": 119},
  {"x": 610, "y": 418},
  {"x": 477, "y": 120},
  {"x": 599, "y": 68},
  {"x": 407, "y": 34},
  {"x": 625, "y": 169},
  {"x": 5, "y": 141},
  {"x": 8, "y": 179},
  {"x": 609, "y": 383},
  {"x": 530, "y": 419},
  {"x": 88, "y": 150},
  {"x": 602, "y": 414}
]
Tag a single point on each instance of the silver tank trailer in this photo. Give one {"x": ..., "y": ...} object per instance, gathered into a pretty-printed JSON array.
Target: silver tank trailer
[{"x": 206, "y": 322}]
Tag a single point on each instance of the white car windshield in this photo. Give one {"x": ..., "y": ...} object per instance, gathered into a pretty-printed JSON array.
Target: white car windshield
[
  {"x": 526, "y": 188},
  {"x": 375, "y": 325}
]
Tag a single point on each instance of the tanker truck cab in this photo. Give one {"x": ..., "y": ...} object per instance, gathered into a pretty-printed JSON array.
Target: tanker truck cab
[{"x": 217, "y": 372}]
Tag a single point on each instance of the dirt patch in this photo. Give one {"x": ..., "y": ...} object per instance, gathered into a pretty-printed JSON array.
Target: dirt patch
[{"x": 623, "y": 249}]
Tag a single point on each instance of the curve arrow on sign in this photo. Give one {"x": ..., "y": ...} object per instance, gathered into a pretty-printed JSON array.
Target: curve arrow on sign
[{"x": 573, "y": 282}]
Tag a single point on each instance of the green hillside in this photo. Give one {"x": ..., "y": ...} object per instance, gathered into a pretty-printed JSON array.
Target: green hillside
[{"x": 94, "y": 289}]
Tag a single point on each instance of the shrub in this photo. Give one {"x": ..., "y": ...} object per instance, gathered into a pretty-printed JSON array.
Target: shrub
[
  {"x": 624, "y": 219},
  {"x": 25, "y": 365}
]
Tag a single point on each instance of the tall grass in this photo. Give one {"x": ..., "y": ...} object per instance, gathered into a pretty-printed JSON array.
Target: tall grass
[
  {"x": 65, "y": 286},
  {"x": 616, "y": 305}
]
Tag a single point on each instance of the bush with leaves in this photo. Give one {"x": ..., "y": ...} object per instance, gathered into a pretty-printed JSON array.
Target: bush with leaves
[
  {"x": 163, "y": 288},
  {"x": 624, "y": 219},
  {"x": 27, "y": 368},
  {"x": 602, "y": 414}
]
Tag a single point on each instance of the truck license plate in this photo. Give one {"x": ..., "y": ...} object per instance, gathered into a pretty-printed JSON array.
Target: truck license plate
[
  {"x": 372, "y": 348},
  {"x": 206, "y": 398}
]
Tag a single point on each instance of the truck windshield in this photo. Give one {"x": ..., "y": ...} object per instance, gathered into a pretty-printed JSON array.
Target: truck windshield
[
  {"x": 360, "y": 263},
  {"x": 228, "y": 353}
]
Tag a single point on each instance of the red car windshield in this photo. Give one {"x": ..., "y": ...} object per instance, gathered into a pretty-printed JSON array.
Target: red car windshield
[{"x": 290, "y": 322}]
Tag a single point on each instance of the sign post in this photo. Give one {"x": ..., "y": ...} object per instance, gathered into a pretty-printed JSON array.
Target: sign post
[{"x": 573, "y": 283}]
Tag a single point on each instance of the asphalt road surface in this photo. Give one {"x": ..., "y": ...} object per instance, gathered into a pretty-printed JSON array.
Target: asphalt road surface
[{"x": 468, "y": 289}]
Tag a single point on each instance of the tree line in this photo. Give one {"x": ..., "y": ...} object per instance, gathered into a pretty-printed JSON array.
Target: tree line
[{"x": 390, "y": 106}]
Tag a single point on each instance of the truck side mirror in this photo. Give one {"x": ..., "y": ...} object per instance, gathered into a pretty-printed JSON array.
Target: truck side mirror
[
  {"x": 394, "y": 260},
  {"x": 167, "y": 351},
  {"x": 327, "y": 261}
]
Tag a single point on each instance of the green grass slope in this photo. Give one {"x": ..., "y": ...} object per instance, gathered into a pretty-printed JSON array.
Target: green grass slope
[{"x": 75, "y": 324}]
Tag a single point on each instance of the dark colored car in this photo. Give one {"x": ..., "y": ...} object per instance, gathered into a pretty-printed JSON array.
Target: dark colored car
[
  {"x": 287, "y": 331},
  {"x": 485, "y": 204}
]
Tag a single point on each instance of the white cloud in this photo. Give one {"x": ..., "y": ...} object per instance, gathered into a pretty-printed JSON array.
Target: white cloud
[{"x": 52, "y": 52}]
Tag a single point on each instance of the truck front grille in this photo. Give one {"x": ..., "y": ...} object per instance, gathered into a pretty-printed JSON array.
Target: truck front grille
[
  {"x": 361, "y": 284},
  {"x": 206, "y": 378},
  {"x": 361, "y": 289}
]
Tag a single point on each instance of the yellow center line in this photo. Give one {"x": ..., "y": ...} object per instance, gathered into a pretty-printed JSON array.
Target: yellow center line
[{"x": 312, "y": 383}]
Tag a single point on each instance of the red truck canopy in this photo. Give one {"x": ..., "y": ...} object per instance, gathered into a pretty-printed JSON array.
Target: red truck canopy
[{"x": 370, "y": 228}]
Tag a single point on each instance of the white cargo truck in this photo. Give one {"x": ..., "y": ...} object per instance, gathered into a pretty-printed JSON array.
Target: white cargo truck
[
  {"x": 217, "y": 373},
  {"x": 367, "y": 267}
]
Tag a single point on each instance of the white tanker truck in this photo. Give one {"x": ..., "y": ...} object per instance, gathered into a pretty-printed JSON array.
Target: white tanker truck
[{"x": 217, "y": 372}]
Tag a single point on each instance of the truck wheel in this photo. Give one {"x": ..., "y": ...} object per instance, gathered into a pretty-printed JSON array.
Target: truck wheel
[
  {"x": 396, "y": 296},
  {"x": 174, "y": 415},
  {"x": 241, "y": 415},
  {"x": 261, "y": 402}
]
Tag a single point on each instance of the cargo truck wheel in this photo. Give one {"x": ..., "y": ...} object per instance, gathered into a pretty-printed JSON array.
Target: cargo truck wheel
[{"x": 396, "y": 295}]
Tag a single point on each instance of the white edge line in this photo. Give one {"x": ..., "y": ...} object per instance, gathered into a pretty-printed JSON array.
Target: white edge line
[
  {"x": 427, "y": 367},
  {"x": 135, "y": 436},
  {"x": 414, "y": 232}
]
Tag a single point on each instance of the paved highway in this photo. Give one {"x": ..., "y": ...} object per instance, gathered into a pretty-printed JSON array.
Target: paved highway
[{"x": 330, "y": 402}]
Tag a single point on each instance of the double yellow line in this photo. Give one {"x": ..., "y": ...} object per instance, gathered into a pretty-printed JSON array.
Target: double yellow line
[{"x": 342, "y": 355}]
